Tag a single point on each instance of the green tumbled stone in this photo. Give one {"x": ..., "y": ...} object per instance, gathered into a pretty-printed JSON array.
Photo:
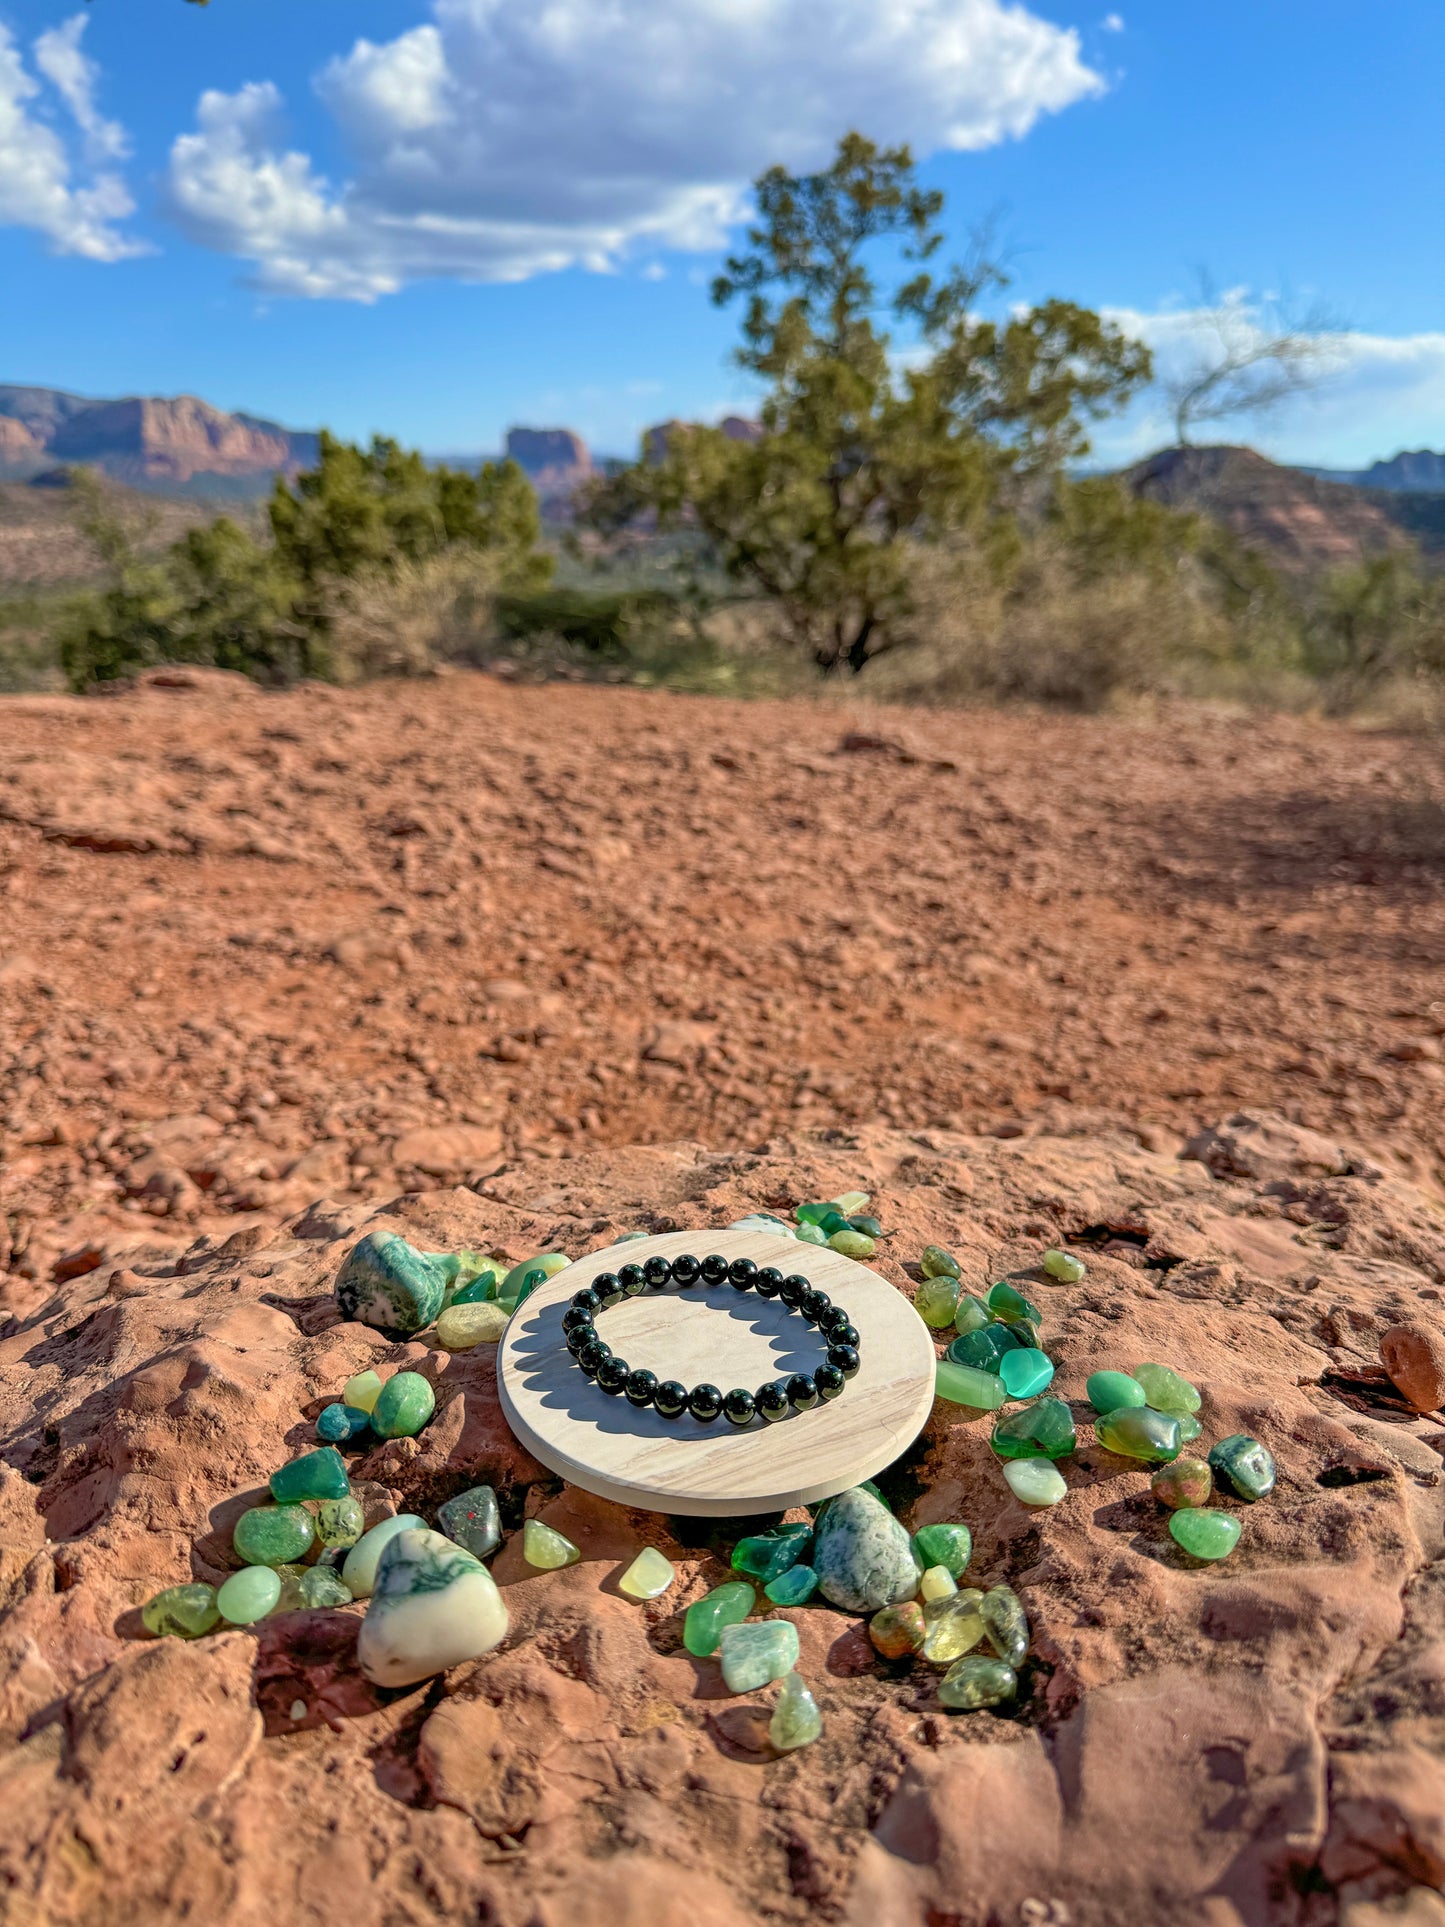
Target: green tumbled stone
[
  {"x": 270, "y": 1535},
  {"x": 898, "y": 1631},
  {"x": 852, "y": 1201},
  {"x": 523, "y": 1279},
  {"x": 1184, "y": 1482},
  {"x": 1189, "y": 1427},
  {"x": 937, "y": 1263},
  {"x": 973, "y": 1683},
  {"x": 473, "y": 1520},
  {"x": 972, "y": 1314},
  {"x": 752, "y": 1656},
  {"x": 1006, "y": 1624},
  {"x": 1010, "y": 1303},
  {"x": 811, "y": 1234},
  {"x": 952, "y": 1627},
  {"x": 1139, "y": 1432},
  {"x": 292, "y": 1598},
  {"x": 1245, "y": 1464},
  {"x": 649, "y": 1575},
  {"x": 765, "y": 1554},
  {"x": 335, "y": 1424},
  {"x": 315, "y": 1475},
  {"x": 322, "y": 1586},
  {"x": 387, "y": 1283},
  {"x": 1166, "y": 1391},
  {"x": 815, "y": 1213},
  {"x": 796, "y": 1720},
  {"x": 1063, "y": 1266},
  {"x": 1204, "y": 1533},
  {"x": 249, "y": 1595},
  {"x": 481, "y": 1285},
  {"x": 1114, "y": 1391},
  {"x": 870, "y": 1227},
  {"x": 949, "y": 1546},
  {"x": 936, "y": 1300},
  {"x": 340, "y": 1522},
  {"x": 966, "y": 1385},
  {"x": 1046, "y": 1428},
  {"x": 794, "y": 1587},
  {"x": 703, "y": 1622},
  {"x": 546, "y": 1548},
  {"x": 181, "y": 1612},
  {"x": 1026, "y": 1373},
  {"x": 407, "y": 1401},
  {"x": 849, "y": 1243},
  {"x": 982, "y": 1349},
  {"x": 1035, "y": 1481}
]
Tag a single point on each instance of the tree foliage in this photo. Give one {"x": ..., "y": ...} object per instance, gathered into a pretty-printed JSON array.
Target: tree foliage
[{"x": 863, "y": 451}]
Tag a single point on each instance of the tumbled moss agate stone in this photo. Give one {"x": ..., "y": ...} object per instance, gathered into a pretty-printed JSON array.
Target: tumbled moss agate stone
[
  {"x": 338, "y": 1423},
  {"x": 272, "y": 1535},
  {"x": 1006, "y": 1624},
  {"x": 358, "y": 1571},
  {"x": 315, "y": 1475},
  {"x": 546, "y": 1548},
  {"x": 249, "y": 1595},
  {"x": 1205, "y": 1533},
  {"x": 1035, "y": 1481},
  {"x": 1063, "y": 1266},
  {"x": 952, "y": 1627},
  {"x": 362, "y": 1391},
  {"x": 387, "y": 1283},
  {"x": 938, "y": 1263},
  {"x": 322, "y": 1586},
  {"x": 754, "y": 1655},
  {"x": 1184, "y": 1483},
  {"x": 1245, "y": 1464},
  {"x": 982, "y": 1349},
  {"x": 972, "y": 1314},
  {"x": 1139, "y": 1432},
  {"x": 703, "y": 1622},
  {"x": 949, "y": 1546},
  {"x": 407, "y": 1401},
  {"x": 937, "y": 1583},
  {"x": 181, "y": 1612},
  {"x": 1046, "y": 1428},
  {"x": 649, "y": 1575},
  {"x": 1007, "y": 1302},
  {"x": 967, "y": 1385},
  {"x": 1166, "y": 1391},
  {"x": 850, "y": 1244},
  {"x": 977, "y": 1682},
  {"x": 796, "y": 1720},
  {"x": 765, "y": 1554},
  {"x": 1026, "y": 1372},
  {"x": 1114, "y": 1391},
  {"x": 433, "y": 1606},
  {"x": 898, "y": 1631},
  {"x": 862, "y": 1555},
  {"x": 340, "y": 1522},
  {"x": 794, "y": 1587},
  {"x": 460, "y": 1327},
  {"x": 936, "y": 1300},
  {"x": 473, "y": 1520}
]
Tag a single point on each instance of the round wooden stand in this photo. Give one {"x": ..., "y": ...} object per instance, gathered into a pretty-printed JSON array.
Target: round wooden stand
[{"x": 726, "y": 1338}]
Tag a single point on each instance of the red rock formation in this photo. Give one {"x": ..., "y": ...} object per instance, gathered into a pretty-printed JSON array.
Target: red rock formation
[{"x": 146, "y": 439}]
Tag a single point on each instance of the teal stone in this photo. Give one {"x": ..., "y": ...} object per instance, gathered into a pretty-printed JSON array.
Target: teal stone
[
  {"x": 273, "y": 1535},
  {"x": 1113, "y": 1391},
  {"x": 796, "y": 1720},
  {"x": 1046, "y": 1428},
  {"x": 967, "y": 1385},
  {"x": 938, "y": 1263},
  {"x": 338, "y": 1423},
  {"x": 975, "y": 1682},
  {"x": 249, "y": 1595},
  {"x": 1139, "y": 1432},
  {"x": 315, "y": 1475},
  {"x": 1205, "y": 1533},
  {"x": 322, "y": 1587},
  {"x": 1245, "y": 1464},
  {"x": 340, "y": 1522},
  {"x": 481, "y": 1291},
  {"x": 1005, "y": 1623},
  {"x": 1166, "y": 1390},
  {"x": 705, "y": 1618},
  {"x": 388, "y": 1284},
  {"x": 754, "y": 1655},
  {"x": 473, "y": 1520},
  {"x": 936, "y": 1301},
  {"x": 766, "y": 1554},
  {"x": 949, "y": 1546},
  {"x": 972, "y": 1314},
  {"x": 794, "y": 1587},
  {"x": 405, "y": 1404},
  {"x": 862, "y": 1555},
  {"x": 1025, "y": 1373},
  {"x": 982, "y": 1349},
  {"x": 181, "y": 1612},
  {"x": 1009, "y": 1303}
]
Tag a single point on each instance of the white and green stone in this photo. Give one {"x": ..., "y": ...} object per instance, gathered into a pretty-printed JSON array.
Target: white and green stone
[
  {"x": 433, "y": 1605},
  {"x": 388, "y": 1284},
  {"x": 796, "y": 1720},
  {"x": 862, "y": 1555},
  {"x": 753, "y": 1655},
  {"x": 359, "y": 1569}
]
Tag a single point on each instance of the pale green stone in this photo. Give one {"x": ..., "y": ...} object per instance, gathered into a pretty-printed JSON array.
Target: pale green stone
[
  {"x": 272, "y": 1535},
  {"x": 972, "y": 1314},
  {"x": 340, "y": 1522},
  {"x": 937, "y": 1583},
  {"x": 387, "y": 1283},
  {"x": 433, "y": 1606},
  {"x": 359, "y": 1568},
  {"x": 1166, "y": 1391},
  {"x": 407, "y": 1401},
  {"x": 322, "y": 1587},
  {"x": 1205, "y": 1533},
  {"x": 966, "y": 1385},
  {"x": 648, "y": 1575},
  {"x": 952, "y": 1626},
  {"x": 796, "y": 1720},
  {"x": 810, "y": 1234},
  {"x": 546, "y": 1548},
  {"x": 726, "y": 1605},
  {"x": 362, "y": 1391},
  {"x": 936, "y": 1300},
  {"x": 523, "y": 1279},
  {"x": 1006, "y": 1624},
  {"x": 852, "y": 1244},
  {"x": 1114, "y": 1391},
  {"x": 753, "y": 1655},
  {"x": 461, "y": 1327},
  {"x": 852, "y": 1202},
  {"x": 1035, "y": 1481},
  {"x": 937, "y": 1263},
  {"x": 292, "y": 1599},
  {"x": 181, "y": 1612},
  {"x": 249, "y": 1595},
  {"x": 977, "y": 1682},
  {"x": 1064, "y": 1266}
]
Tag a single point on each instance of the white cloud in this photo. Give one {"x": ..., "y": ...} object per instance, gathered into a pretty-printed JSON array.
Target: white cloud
[
  {"x": 70, "y": 197},
  {"x": 501, "y": 141},
  {"x": 1112, "y": 23}
]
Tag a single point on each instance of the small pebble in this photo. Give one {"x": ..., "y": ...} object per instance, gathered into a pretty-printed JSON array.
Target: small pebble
[
  {"x": 796, "y": 1720},
  {"x": 249, "y": 1595},
  {"x": 546, "y": 1548},
  {"x": 1184, "y": 1483},
  {"x": 1064, "y": 1266},
  {"x": 851, "y": 1244},
  {"x": 298, "y": 1709},
  {"x": 937, "y": 1583},
  {"x": 897, "y": 1631},
  {"x": 460, "y": 1327},
  {"x": 974, "y": 1683},
  {"x": 936, "y": 1300},
  {"x": 362, "y": 1391},
  {"x": 649, "y": 1575},
  {"x": 1139, "y": 1432},
  {"x": 703, "y": 1622},
  {"x": 938, "y": 1263},
  {"x": 1204, "y": 1533},
  {"x": 1035, "y": 1481},
  {"x": 1006, "y": 1624},
  {"x": 1414, "y": 1356},
  {"x": 273, "y": 1535}
]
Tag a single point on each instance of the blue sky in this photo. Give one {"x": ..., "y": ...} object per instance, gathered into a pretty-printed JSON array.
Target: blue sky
[{"x": 439, "y": 217}]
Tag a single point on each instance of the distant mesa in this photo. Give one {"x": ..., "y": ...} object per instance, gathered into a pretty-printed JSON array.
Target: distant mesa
[
  {"x": 1419, "y": 469},
  {"x": 554, "y": 460},
  {"x": 737, "y": 428}
]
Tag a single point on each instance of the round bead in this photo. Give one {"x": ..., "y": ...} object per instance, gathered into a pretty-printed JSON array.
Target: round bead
[
  {"x": 592, "y": 1355},
  {"x": 739, "y": 1407},
  {"x": 705, "y": 1402},
  {"x": 768, "y": 1282},
  {"x": 670, "y": 1399},
  {"x": 656, "y": 1270},
  {"x": 714, "y": 1268},
  {"x": 608, "y": 1289},
  {"x": 772, "y": 1401},
  {"x": 802, "y": 1392},
  {"x": 742, "y": 1272},
  {"x": 685, "y": 1269},
  {"x": 845, "y": 1334},
  {"x": 632, "y": 1279},
  {"x": 641, "y": 1385},
  {"x": 791, "y": 1290},
  {"x": 612, "y": 1374},
  {"x": 832, "y": 1318},
  {"x": 813, "y": 1304},
  {"x": 845, "y": 1358},
  {"x": 829, "y": 1381},
  {"x": 579, "y": 1338},
  {"x": 586, "y": 1300},
  {"x": 574, "y": 1318}
]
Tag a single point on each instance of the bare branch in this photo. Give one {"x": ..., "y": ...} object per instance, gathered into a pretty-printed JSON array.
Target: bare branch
[{"x": 1255, "y": 356}]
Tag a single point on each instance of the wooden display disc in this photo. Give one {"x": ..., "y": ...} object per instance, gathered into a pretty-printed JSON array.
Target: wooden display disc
[{"x": 717, "y": 1335}]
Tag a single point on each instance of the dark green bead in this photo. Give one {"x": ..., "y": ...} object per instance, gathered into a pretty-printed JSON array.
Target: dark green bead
[{"x": 1245, "y": 1465}]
